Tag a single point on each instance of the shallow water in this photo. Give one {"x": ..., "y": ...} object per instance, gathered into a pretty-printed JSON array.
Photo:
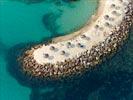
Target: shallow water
[{"x": 23, "y": 24}]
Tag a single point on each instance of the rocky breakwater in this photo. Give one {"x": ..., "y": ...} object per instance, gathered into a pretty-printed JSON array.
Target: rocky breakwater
[{"x": 53, "y": 61}]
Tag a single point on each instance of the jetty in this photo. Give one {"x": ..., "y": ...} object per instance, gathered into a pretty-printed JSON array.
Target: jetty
[{"x": 77, "y": 52}]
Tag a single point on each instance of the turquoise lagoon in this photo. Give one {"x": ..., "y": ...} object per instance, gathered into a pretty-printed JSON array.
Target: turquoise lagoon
[{"x": 23, "y": 24}]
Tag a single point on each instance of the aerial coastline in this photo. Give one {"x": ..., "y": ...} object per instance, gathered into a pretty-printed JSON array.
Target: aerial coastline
[{"x": 75, "y": 53}]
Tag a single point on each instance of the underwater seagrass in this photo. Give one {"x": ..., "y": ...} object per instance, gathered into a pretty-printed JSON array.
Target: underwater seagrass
[
  {"x": 74, "y": 54},
  {"x": 39, "y": 1}
]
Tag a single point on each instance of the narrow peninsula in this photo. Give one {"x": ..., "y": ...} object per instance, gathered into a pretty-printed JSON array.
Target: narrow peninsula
[{"x": 77, "y": 52}]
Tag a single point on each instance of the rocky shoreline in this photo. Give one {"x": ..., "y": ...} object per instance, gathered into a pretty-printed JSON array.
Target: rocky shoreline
[{"x": 86, "y": 60}]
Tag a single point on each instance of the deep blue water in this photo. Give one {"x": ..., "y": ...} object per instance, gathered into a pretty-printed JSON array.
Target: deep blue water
[{"x": 23, "y": 24}]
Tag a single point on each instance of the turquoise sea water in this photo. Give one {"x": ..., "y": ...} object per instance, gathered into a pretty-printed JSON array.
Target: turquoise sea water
[{"x": 23, "y": 24}]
